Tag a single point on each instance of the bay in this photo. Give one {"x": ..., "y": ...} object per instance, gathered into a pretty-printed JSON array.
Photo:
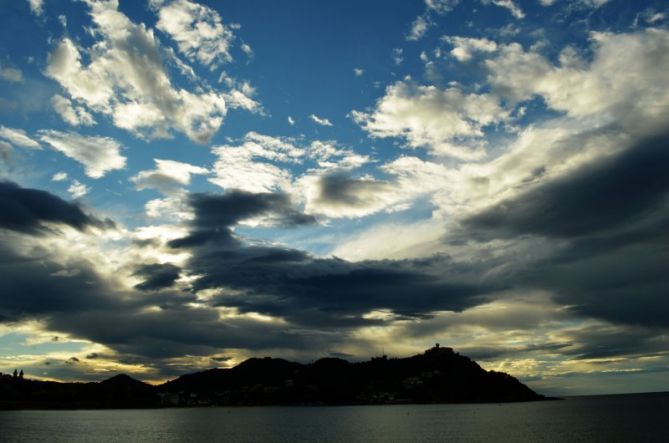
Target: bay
[{"x": 614, "y": 418}]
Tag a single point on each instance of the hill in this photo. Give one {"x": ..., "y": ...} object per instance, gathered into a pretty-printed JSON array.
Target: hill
[{"x": 439, "y": 375}]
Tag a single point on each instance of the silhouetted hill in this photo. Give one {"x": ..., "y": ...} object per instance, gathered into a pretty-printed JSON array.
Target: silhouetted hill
[
  {"x": 120, "y": 391},
  {"x": 438, "y": 375}
]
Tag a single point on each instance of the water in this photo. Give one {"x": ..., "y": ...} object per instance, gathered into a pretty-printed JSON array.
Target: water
[{"x": 624, "y": 418}]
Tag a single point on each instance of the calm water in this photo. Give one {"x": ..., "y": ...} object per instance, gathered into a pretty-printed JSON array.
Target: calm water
[{"x": 625, "y": 418}]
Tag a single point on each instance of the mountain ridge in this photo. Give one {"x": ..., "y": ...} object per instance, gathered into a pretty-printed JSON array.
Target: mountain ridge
[{"x": 439, "y": 375}]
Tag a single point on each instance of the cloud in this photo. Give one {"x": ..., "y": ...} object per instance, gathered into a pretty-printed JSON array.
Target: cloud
[
  {"x": 464, "y": 47},
  {"x": 292, "y": 285},
  {"x": 31, "y": 211},
  {"x": 513, "y": 8},
  {"x": 216, "y": 213},
  {"x": 18, "y": 137},
  {"x": 398, "y": 56},
  {"x": 441, "y": 6},
  {"x": 74, "y": 115},
  {"x": 358, "y": 72},
  {"x": 99, "y": 155},
  {"x": 168, "y": 176},
  {"x": 59, "y": 176},
  {"x": 336, "y": 190},
  {"x": 5, "y": 151},
  {"x": 445, "y": 121},
  {"x": 339, "y": 195},
  {"x": 424, "y": 22},
  {"x": 261, "y": 163},
  {"x": 36, "y": 7},
  {"x": 320, "y": 120},
  {"x": 592, "y": 199},
  {"x": 250, "y": 165},
  {"x": 392, "y": 241},
  {"x": 13, "y": 75},
  {"x": 197, "y": 29},
  {"x": 140, "y": 328},
  {"x": 157, "y": 276},
  {"x": 77, "y": 190},
  {"x": 593, "y": 3},
  {"x": 419, "y": 27},
  {"x": 623, "y": 81},
  {"x": 126, "y": 79}
]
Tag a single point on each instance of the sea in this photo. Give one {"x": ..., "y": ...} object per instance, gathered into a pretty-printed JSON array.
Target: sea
[{"x": 611, "y": 418}]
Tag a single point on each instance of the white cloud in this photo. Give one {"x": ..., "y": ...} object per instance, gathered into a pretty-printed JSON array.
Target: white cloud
[
  {"x": 236, "y": 169},
  {"x": 248, "y": 166},
  {"x": 126, "y": 79},
  {"x": 98, "y": 155},
  {"x": 441, "y": 6},
  {"x": 594, "y": 3},
  {"x": 173, "y": 207},
  {"x": 291, "y": 120},
  {"x": 10, "y": 74},
  {"x": 398, "y": 56},
  {"x": 358, "y": 71},
  {"x": 18, "y": 137},
  {"x": 337, "y": 192},
  {"x": 36, "y": 7},
  {"x": 246, "y": 49},
  {"x": 424, "y": 22},
  {"x": 197, "y": 29},
  {"x": 513, "y": 8},
  {"x": 59, "y": 176},
  {"x": 546, "y": 2},
  {"x": 464, "y": 47},
  {"x": 419, "y": 27},
  {"x": 242, "y": 97},
  {"x": 626, "y": 81},
  {"x": 260, "y": 162},
  {"x": 607, "y": 105},
  {"x": 392, "y": 241},
  {"x": 168, "y": 175},
  {"x": 77, "y": 190},
  {"x": 445, "y": 121},
  {"x": 328, "y": 155},
  {"x": 320, "y": 120},
  {"x": 74, "y": 115}
]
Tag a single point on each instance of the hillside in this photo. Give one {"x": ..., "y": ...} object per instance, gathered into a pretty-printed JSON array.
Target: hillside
[{"x": 439, "y": 375}]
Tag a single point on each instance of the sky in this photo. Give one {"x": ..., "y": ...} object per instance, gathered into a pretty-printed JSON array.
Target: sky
[{"x": 184, "y": 185}]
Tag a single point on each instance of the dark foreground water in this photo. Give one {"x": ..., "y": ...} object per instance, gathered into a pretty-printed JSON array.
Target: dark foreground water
[{"x": 623, "y": 418}]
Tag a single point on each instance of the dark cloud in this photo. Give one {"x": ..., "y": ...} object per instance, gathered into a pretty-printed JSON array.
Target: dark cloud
[
  {"x": 608, "y": 226},
  {"x": 157, "y": 276},
  {"x": 179, "y": 331},
  {"x": 306, "y": 290},
  {"x": 216, "y": 213},
  {"x": 329, "y": 292},
  {"x": 38, "y": 287},
  {"x": 338, "y": 189},
  {"x": 27, "y": 210},
  {"x": 604, "y": 196}
]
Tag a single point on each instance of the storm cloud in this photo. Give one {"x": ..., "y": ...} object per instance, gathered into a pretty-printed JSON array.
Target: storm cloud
[
  {"x": 608, "y": 230},
  {"x": 30, "y": 210},
  {"x": 307, "y": 290}
]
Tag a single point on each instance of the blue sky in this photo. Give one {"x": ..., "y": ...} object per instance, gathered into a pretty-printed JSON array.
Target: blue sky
[{"x": 343, "y": 177}]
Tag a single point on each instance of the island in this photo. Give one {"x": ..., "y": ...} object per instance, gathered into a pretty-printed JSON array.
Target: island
[{"x": 438, "y": 375}]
